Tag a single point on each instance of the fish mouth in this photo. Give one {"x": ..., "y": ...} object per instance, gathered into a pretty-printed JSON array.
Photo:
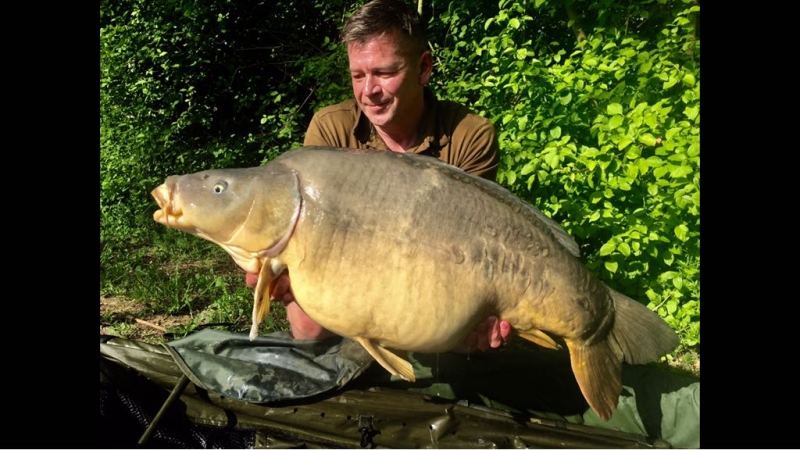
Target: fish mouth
[{"x": 170, "y": 213}]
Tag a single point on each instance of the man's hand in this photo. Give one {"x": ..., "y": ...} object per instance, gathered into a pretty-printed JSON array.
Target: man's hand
[
  {"x": 491, "y": 333},
  {"x": 303, "y": 327},
  {"x": 251, "y": 279}
]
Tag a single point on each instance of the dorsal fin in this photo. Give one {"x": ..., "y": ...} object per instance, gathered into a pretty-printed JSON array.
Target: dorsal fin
[{"x": 504, "y": 195}]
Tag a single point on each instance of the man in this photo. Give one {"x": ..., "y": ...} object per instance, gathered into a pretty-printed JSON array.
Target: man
[{"x": 393, "y": 110}]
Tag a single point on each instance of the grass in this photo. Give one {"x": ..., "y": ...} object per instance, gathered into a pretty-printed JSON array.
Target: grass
[{"x": 179, "y": 275}]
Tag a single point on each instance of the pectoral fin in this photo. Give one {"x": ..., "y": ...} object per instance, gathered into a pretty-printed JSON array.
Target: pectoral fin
[
  {"x": 395, "y": 364},
  {"x": 538, "y": 337},
  {"x": 266, "y": 278}
]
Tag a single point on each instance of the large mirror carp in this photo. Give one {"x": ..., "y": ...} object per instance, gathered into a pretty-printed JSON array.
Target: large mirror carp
[{"x": 403, "y": 252}]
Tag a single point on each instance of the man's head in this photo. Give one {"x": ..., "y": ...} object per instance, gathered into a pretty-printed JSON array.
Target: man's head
[
  {"x": 389, "y": 62},
  {"x": 380, "y": 17}
]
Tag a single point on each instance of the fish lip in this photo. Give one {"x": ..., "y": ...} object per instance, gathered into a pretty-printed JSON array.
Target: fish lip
[{"x": 170, "y": 213}]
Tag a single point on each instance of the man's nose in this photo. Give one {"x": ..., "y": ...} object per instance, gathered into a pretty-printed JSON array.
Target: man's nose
[{"x": 371, "y": 86}]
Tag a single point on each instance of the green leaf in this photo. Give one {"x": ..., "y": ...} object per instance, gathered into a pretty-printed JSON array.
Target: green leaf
[
  {"x": 615, "y": 121},
  {"x": 648, "y": 140},
  {"x": 672, "y": 306},
  {"x": 691, "y": 112},
  {"x": 634, "y": 152},
  {"x": 624, "y": 142},
  {"x": 632, "y": 171},
  {"x": 566, "y": 99},
  {"x": 669, "y": 258},
  {"x": 652, "y": 189},
  {"x": 643, "y": 166},
  {"x": 624, "y": 248},
  {"x": 512, "y": 177},
  {"x": 528, "y": 168},
  {"x": 672, "y": 132},
  {"x": 551, "y": 159},
  {"x": 608, "y": 248},
  {"x": 514, "y": 23},
  {"x": 680, "y": 171},
  {"x": 614, "y": 108},
  {"x": 681, "y": 232},
  {"x": 688, "y": 79},
  {"x": 660, "y": 171},
  {"x": 611, "y": 266},
  {"x": 555, "y": 132}
]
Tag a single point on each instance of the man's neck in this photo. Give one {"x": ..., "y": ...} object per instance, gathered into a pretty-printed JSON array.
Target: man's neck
[
  {"x": 406, "y": 136},
  {"x": 398, "y": 142}
]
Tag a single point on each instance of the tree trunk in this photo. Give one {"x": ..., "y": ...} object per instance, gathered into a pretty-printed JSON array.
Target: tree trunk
[{"x": 580, "y": 35}]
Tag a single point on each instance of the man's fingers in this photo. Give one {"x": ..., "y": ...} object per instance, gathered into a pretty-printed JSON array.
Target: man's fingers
[
  {"x": 251, "y": 279},
  {"x": 499, "y": 331},
  {"x": 505, "y": 330},
  {"x": 281, "y": 288},
  {"x": 495, "y": 338}
]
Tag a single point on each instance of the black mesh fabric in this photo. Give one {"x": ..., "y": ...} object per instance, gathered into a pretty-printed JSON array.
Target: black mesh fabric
[{"x": 125, "y": 413}]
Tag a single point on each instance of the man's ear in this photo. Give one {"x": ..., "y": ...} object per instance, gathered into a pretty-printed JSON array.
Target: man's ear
[{"x": 425, "y": 67}]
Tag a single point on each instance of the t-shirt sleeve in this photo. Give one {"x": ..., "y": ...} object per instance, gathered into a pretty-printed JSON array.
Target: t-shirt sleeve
[
  {"x": 316, "y": 135},
  {"x": 476, "y": 148},
  {"x": 332, "y": 126}
]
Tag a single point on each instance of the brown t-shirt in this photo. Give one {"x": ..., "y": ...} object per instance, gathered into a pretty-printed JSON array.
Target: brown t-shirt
[{"x": 451, "y": 132}]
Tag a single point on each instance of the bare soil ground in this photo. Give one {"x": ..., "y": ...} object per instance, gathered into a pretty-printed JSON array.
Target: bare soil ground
[{"x": 129, "y": 319}]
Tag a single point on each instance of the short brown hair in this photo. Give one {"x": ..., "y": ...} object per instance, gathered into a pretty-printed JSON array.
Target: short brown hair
[{"x": 379, "y": 17}]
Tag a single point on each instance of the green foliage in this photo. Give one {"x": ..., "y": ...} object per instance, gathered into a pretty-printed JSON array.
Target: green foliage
[{"x": 596, "y": 104}]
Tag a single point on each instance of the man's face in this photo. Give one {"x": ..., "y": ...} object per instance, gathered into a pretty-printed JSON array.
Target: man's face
[{"x": 386, "y": 85}]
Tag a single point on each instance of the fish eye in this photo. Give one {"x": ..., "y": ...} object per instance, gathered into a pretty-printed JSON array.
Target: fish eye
[{"x": 220, "y": 186}]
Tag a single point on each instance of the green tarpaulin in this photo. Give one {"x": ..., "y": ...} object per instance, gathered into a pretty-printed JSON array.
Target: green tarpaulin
[{"x": 279, "y": 392}]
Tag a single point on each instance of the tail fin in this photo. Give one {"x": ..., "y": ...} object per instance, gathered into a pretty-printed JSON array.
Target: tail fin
[
  {"x": 598, "y": 371},
  {"x": 641, "y": 334},
  {"x": 638, "y": 336}
]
